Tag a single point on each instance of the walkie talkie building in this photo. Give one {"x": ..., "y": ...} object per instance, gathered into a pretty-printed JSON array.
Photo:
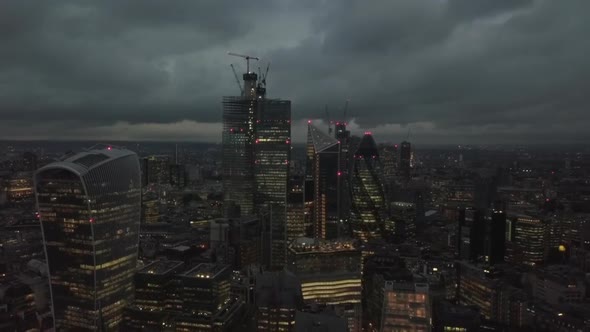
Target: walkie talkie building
[{"x": 89, "y": 206}]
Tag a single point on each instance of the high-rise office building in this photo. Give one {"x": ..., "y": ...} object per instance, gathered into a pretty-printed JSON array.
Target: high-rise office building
[
  {"x": 401, "y": 223},
  {"x": 406, "y": 307},
  {"x": 528, "y": 240},
  {"x": 237, "y": 241},
  {"x": 389, "y": 156},
  {"x": 496, "y": 245},
  {"x": 379, "y": 268},
  {"x": 89, "y": 206},
  {"x": 204, "y": 301},
  {"x": 330, "y": 276},
  {"x": 256, "y": 153},
  {"x": 272, "y": 152},
  {"x": 481, "y": 287},
  {"x": 178, "y": 176},
  {"x": 295, "y": 209},
  {"x": 238, "y": 139},
  {"x": 278, "y": 297},
  {"x": 323, "y": 171},
  {"x": 238, "y": 152},
  {"x": 150, "y": 208},
  {"x": 343, "y": 137},
  {"x": 369, "y": 208},
  {"x": 153, "y": 284},
  {"x": 156, "y": 170},
  {"x": 405, "y": 159}
]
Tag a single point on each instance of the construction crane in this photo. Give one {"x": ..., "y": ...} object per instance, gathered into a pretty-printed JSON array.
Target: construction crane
[
  {"x": 237, "y": 78},
  {"x": 263, "y": 78},
  {"x": 345, "y": 109},
  {"x": 247, "y": 57},
  {"x": 329, "y": 121}
]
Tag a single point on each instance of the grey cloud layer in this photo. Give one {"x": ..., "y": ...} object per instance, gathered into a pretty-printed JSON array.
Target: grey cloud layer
[{"x": 458, "y": 64}]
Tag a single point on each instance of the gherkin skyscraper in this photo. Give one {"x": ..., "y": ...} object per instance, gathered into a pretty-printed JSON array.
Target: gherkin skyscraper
[{"x": 369, "y": 205}]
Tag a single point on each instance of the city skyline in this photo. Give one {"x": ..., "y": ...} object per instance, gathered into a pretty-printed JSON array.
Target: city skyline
[
  {"x": 450, "y": 71},
  {"x": 415, "y": 165}
]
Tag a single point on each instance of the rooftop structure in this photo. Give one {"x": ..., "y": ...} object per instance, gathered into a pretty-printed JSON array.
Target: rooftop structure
[
  {"x": 206, "y": 271},
  {"x": 320, "y": 140},
  {"x": 161, "y": 267}
]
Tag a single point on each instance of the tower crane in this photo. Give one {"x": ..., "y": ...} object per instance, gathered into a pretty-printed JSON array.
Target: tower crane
[
  {"x": 237, "y": 78},
  {"x": 247, "y": 57},
  {"x": 263, "y": 78},
  {"x": 329, "y": 121},
  {"x": 345, "y": 110}
]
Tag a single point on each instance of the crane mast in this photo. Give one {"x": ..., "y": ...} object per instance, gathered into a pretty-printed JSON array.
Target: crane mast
[{"x": 237, "y": 79}]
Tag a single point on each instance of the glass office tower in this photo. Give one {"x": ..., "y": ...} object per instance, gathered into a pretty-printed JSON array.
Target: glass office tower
[
  {"x": 323, "y": 171},
  {"x": 368, "y": 194},
  {"x": 272, "y": 152},
  {"x": 89, "y": 206}
]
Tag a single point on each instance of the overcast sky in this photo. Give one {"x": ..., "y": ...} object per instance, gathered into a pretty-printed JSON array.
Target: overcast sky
[{"x": 453, "y": 71}]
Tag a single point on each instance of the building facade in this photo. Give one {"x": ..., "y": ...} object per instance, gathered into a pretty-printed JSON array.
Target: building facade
[
  {"x": 330, "y": 276},
  {"x": 323, "y": 172},
  {"x": 369, "y": 208},
  {"x": 89, "y": 206},
  {"x": 406, "y": 307}
]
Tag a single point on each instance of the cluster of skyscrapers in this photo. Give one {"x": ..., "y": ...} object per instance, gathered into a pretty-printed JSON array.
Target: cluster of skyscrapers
[{"x": 350, "y": 236}]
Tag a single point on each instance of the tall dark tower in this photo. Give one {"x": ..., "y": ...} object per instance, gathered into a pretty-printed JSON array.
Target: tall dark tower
[
  {"x": 368, "y": 194},
  {"x": 89, "y": 206},
  {"x": 497, "y": 241},
  {"x": 256, "y": 153},
  {"x": 272, "y": 153},
  {"x": 343, "y": 137},
  {"x": 322, "y": 170},
  {"x": 238, "y": 146},
  {"x": 405, "y": 159}
]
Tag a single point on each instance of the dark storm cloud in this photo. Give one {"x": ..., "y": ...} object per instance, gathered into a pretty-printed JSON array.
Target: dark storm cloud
[
  {"x": 509, "y": 67},
  {"x": 105, "y": 61},
  {"x": 451, "y": 62}
]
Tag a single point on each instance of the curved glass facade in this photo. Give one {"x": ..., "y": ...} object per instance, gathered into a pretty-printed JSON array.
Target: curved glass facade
[
  {"x": 368, "y": 208},
  {"x": 89, "y": 207}
]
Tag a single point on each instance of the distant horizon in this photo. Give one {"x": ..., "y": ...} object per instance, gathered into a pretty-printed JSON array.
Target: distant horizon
[{"x": 102, "y": 141}]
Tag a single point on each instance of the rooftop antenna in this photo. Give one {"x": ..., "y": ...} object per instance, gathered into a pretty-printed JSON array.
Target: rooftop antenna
[{"x": 408, "y": 136}]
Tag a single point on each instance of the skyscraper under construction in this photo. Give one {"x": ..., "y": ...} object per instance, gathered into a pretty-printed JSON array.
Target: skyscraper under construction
[{"x": 256, "y": 153}]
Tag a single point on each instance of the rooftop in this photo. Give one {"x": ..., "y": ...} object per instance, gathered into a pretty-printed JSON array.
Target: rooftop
[
  {"x": 320, "y": 140},
  {"x": 206, "y": 270},
  {"x": 305, "y": 244},
  {"x": 323, "y": 322},
  {"x": 161, "y": 267},
  {"x": 81, "y": 163}
]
